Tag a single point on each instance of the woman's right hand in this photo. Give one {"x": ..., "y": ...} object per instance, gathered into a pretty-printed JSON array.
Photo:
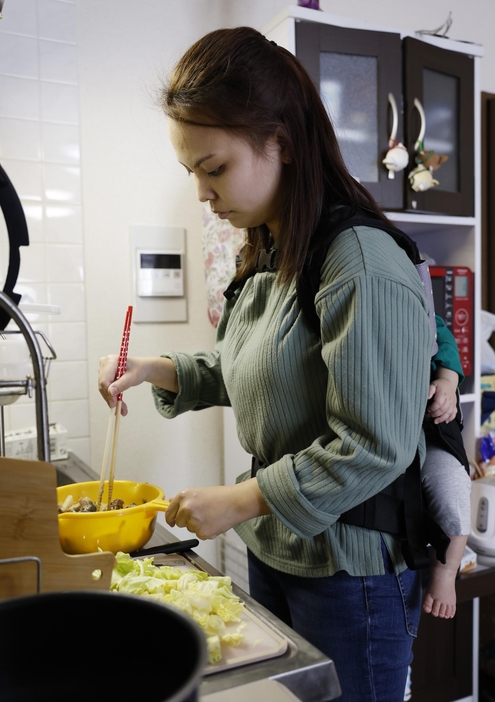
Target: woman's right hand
[
  {"x": 159, "y": 371},
  {"x": 109, "y": 387}
]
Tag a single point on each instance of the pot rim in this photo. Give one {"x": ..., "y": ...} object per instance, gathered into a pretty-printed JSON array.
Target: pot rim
[{"x": 152, "y": 605}]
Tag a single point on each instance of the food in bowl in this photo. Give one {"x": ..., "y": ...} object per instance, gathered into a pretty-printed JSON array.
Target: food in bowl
[
  {"x": 86, "y": 504},
  {"x": 123, "y": 529}
]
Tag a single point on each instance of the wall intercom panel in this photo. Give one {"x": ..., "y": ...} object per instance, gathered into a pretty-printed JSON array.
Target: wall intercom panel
[{"x": 158, "y": 273}]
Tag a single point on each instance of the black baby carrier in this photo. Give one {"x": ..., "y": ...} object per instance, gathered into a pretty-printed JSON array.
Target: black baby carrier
[{"x": 398, "y": 509}]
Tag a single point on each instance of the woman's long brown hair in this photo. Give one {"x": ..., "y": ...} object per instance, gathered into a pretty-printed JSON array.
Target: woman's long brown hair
[{"x": 238, "y": 80}]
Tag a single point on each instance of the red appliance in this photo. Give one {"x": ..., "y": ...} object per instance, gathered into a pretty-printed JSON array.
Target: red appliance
[{"x": 453, "y": 297}]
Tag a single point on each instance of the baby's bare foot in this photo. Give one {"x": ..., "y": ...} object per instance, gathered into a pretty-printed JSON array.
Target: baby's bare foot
[{"x": 440, "y": 596}]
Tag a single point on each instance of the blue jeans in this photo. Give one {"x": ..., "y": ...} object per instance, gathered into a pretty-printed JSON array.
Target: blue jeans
[{"x": 366, "y": 625}]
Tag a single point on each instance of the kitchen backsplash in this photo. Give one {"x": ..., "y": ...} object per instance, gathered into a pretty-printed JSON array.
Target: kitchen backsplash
[{"x": 40, "y": 152}]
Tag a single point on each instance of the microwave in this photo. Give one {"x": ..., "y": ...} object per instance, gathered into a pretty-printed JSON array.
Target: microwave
[{"x": 453, "y": 297}]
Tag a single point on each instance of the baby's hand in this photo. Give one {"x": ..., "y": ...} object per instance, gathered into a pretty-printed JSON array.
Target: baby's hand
[{"x": 444, "y": 405}]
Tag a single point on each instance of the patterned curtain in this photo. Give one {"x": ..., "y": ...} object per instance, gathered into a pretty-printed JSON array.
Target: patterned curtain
[{"x": 221, "y": 243}]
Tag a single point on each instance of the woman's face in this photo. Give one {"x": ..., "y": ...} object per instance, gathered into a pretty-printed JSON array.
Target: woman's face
[{"x": 240, "y": 185}]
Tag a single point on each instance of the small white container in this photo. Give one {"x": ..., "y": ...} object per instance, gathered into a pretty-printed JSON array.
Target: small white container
[
  {"x": 15, "y": 364},
  {"x": 23, "y": 443},
  {"x": 482, "y": 537}
]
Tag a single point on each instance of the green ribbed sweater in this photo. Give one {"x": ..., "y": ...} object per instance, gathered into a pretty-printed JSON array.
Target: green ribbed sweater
[{"x": 335, "y": 422}]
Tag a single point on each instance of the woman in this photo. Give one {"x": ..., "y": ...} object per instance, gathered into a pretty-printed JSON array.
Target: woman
[{"x": 332, "y": 419}]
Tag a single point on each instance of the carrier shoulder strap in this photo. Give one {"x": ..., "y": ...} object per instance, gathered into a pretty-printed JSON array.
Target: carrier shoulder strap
[
  {"x": 344, "y": 218},
  {"x": 341, "y": 218}
]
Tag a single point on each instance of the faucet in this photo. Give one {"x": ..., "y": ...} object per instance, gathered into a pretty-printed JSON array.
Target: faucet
[{"x": 42, "y": 429}]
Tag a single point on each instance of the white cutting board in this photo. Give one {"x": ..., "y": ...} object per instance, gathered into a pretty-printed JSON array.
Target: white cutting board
[{"x": 260, "y": 640}]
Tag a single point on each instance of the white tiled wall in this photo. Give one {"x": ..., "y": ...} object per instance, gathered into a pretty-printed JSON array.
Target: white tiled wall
[{"x": 40, "y": 152}]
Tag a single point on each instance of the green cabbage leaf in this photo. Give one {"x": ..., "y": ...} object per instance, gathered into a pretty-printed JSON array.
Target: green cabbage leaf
[{"x": 208, "y": 599}]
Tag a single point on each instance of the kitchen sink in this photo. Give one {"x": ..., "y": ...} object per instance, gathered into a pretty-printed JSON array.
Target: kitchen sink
[{"x": 72, "y": 470}]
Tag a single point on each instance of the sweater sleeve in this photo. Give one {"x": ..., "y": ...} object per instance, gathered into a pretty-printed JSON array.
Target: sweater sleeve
[
  {"x": 375, "y": 343},
  {"x": 447, "y": 355},
  {"x": 201, "y": 383}
]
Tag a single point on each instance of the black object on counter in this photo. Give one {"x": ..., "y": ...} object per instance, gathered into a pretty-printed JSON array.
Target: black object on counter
[
  {"x": 174, "y": 547},
  {"x": 77, "y": 646},
  {"x": 15, "y": 220}
]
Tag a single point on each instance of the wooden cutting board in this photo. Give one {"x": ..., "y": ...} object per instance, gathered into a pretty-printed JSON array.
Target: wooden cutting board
[{"x": 29, "y": 528}]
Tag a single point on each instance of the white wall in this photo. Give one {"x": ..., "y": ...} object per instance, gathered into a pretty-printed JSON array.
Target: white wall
[
  {"x": 40, "y": 151},
  {"x": 107, "y": 58}
]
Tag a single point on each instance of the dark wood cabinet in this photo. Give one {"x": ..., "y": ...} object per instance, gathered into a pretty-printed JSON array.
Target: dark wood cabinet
[
  {"x": 355, "y": 71},
  {"x": 443, "y": 665},
  {"x": 443, "y": 83},
  {"x": 488, "y": 200},
  {"x": 442, "y": 668}
]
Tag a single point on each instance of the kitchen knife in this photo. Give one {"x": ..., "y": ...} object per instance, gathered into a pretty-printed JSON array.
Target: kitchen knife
[{"x": 175, "y": 547}]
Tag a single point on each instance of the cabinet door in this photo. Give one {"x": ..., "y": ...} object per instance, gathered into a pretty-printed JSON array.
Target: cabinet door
[
  {"x": 488, "y": 200},
  {"x": 443, "y": 657},
  {"x": 443, "y": 82},
  {"x": 355, "y": 70}
]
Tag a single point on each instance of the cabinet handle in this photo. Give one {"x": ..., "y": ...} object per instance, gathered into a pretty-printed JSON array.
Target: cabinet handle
[
  {"x": 396, "y": 158},
  {"x": 392, "y": 140},
  {"x": 418, "y": 146}
]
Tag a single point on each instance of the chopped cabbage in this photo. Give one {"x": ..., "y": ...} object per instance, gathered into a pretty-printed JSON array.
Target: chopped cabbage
[
  {"x": 208, "y": 599},
  {"x": 214, "y": 649}
]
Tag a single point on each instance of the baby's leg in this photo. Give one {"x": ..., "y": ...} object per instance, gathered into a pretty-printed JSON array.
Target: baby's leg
[
  {"x": 440, "y": 597},
  {"x": 447, "y": 488}
]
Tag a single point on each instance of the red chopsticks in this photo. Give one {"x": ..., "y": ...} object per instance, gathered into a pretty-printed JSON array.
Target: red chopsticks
[
  {"x": 124, "y": 347},
  {"x": 114, "y": 419}
]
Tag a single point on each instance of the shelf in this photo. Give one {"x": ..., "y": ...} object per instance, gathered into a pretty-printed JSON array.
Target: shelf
[
  {"x": 438, "y": 220},
  {"x": 468, "y": 397},
  {"x": 459, "y": 230},
  {"x": 449, "y": 241},
  {"x": 297, "y": 14}
]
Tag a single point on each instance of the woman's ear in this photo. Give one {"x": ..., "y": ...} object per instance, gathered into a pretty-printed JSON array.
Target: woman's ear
[
  {"x": 285, "y": 154},
  {"x": 282, "y": 144}
]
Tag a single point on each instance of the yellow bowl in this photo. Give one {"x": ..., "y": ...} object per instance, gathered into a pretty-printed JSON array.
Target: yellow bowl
[{"x": 116, "y": 530}]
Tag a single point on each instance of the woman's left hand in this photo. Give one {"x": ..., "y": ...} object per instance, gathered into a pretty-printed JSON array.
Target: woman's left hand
[{"x": 210, "y": 511}]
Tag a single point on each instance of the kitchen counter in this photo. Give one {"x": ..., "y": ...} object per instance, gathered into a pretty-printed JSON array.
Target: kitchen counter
[{"x": 303, "y": 669}]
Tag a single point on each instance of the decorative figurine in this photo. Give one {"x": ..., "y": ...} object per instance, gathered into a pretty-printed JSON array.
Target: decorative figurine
[
  {"x": 311, "y": 4},
  {"x": 430, "y": 159},
  {"x": 421, "y": 177},
  {"x": 396, "y": 158}
]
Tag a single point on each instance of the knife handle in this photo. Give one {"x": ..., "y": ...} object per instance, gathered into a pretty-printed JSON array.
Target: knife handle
[{"x": 175, "y": 547}]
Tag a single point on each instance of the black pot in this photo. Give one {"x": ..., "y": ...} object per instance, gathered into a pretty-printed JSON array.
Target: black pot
[{"x": 98, "y": 646}]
